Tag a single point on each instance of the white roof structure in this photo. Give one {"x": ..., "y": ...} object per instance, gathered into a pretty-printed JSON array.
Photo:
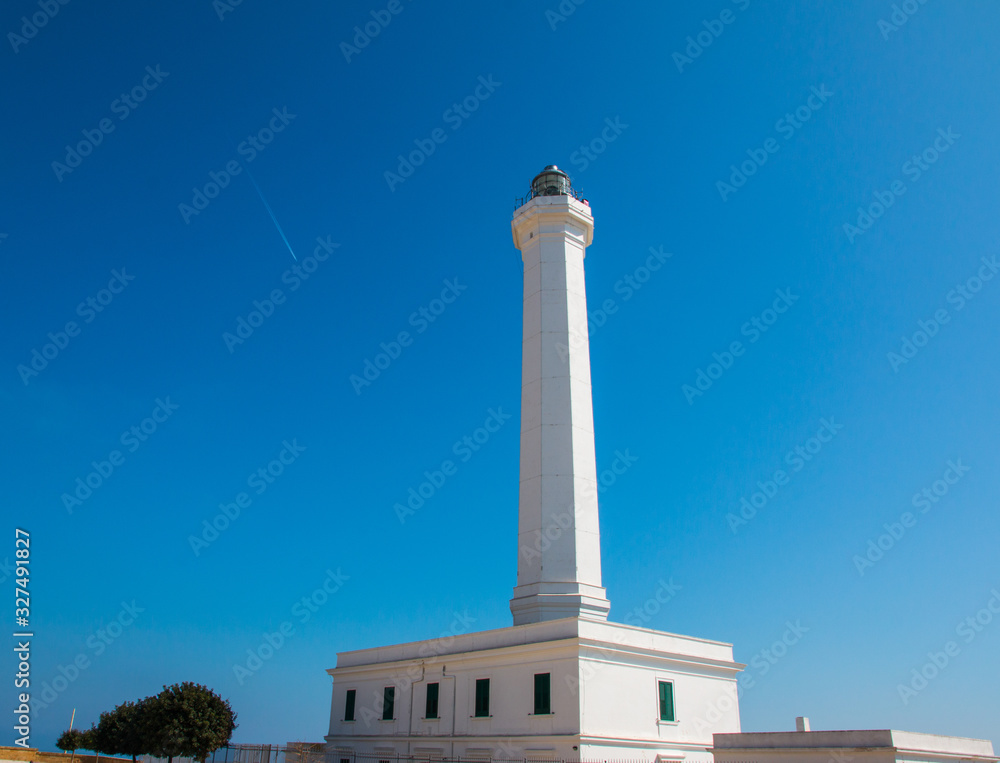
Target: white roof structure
[{"x": 869, "y": 746}]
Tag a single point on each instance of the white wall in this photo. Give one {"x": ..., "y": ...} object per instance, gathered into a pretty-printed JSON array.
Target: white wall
[
  {"x": 604, "y": 696},
  {"x": 620, "y": 699},
  {"x": 511, "y": 695}
]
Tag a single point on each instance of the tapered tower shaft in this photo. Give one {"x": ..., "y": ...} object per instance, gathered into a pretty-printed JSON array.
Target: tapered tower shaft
[{"x": 559, "y": 547}]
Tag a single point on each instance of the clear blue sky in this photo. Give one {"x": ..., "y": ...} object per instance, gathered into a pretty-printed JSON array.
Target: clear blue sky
[{"x": 869, "y": 99}]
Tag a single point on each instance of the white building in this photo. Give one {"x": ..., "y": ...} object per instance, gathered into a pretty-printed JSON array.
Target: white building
[
  {"x": 562, "y": 683},
  {"x": 874, "y": 746}
]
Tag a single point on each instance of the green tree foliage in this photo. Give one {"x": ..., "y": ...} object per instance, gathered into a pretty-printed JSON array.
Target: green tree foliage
[
  {"x": 88, "y": 740},
  {"x": 71, "y": 740},
  {"x": 126, "y": 730},
  {"x": 190, "y": 720},
  {"x": 183, "y": 720}
]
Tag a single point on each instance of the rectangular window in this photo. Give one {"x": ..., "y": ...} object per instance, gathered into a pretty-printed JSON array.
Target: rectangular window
[
  {"x": 666, "y": 701},
  {"x": 349, "y": 705},
  {"x": 482, "y": 697},
  {"x": 388, "y": 702},
  {"x": 431, "y": 709},
  {"x": 543, "y": 702}
]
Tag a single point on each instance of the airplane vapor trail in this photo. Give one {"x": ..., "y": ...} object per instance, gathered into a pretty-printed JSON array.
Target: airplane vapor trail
[{"x": 268, "y": 207}]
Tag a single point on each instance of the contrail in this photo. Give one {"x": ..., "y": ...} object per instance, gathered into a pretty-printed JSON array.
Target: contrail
[{"x": 268, "y": 207}]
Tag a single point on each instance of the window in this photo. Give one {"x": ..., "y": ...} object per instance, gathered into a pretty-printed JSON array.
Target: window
[
  {"x": 349, "y": 706},
  {"x": 388, "y": 702},
  {"x": 543, "y": 702},
  {"x": 666, "y": 701},
  {"x": 431, "y": 709},
  {"x": 482, "y": 698},
  {"x": 345, "y": 760}
]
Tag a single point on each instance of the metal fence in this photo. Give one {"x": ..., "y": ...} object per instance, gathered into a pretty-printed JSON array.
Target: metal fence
[
  {"x": 321, "y": 753},
  {"x": 259, "y": 753}
]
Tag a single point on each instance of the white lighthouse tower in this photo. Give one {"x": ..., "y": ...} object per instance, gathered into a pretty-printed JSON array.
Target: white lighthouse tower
[
  {"x": 559, "y": 542},
  {"x": 562, "y": 683}
]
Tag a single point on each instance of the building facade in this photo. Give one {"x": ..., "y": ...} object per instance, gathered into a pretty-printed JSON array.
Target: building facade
[{"x": 567, "y": 689}]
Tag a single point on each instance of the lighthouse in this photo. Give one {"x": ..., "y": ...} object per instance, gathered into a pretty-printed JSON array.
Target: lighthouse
[
  {"x": 562, "y": 683},
  {"x": 559, "y": 542}
]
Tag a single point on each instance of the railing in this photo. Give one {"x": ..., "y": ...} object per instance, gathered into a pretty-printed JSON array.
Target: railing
[
  {"x": 322, "y": 753},
  {"x": 252, "y": 753},
  {"x": 520, "y": 202}
]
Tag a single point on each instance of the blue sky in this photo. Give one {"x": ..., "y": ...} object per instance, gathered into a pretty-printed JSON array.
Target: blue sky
[{"x": 757, "y": 162}]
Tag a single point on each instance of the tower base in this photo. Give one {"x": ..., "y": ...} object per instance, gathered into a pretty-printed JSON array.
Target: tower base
[
  {"x": 539, "y": 602},
  {"x": 602, "y": 699}
]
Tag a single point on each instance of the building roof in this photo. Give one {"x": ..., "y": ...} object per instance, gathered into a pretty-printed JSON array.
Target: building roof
[
  {"x": 854, "y": 739},
  {"x": 585, "y": 631}
]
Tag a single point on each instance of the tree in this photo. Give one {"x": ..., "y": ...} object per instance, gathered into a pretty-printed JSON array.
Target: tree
[
  {"x": 71, "y": 740},
  {"x": 88, "y": 739},
  {"x": 190, "y": 720},
  {"x": 126, "y": 730}
]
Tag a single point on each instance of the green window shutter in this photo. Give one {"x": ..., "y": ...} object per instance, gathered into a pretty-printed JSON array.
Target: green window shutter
[
  {"x": 543, "y": 694},
  {"x": 388, "y": 702},
  {"x": 431, "y": 709},
  {"x": 482, "y": 697},
  {"x": 349, "y": 705},
  {"x": 667, "y": 701}
]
